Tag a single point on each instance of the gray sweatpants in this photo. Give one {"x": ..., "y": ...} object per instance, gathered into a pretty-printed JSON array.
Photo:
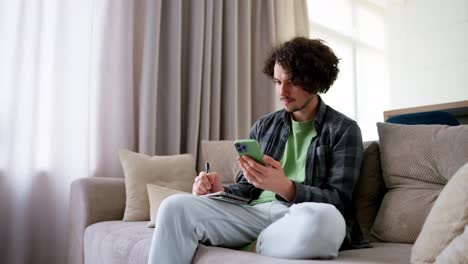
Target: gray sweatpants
[{"x": 305, "y": 230}]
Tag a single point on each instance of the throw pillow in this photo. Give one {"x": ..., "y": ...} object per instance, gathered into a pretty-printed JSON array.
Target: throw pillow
[
  {"x": 455, "y": 252},
  {"x": 369, "y": 189},
  {"x": 156, "y": 195},
  {"x": 176, "y": 172},
  {"x": 425, "y": 118},
  {"x": 222, "y": 158},
  {"x": 447, "y": 218},
  {"x": 417, "y": 161}
]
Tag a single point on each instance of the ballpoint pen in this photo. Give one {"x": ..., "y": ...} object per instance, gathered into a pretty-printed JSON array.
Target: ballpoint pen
[{"x": 207, "y": 169}]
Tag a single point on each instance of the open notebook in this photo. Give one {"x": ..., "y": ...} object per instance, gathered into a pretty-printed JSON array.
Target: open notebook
[{"x": 227, "y": 197}]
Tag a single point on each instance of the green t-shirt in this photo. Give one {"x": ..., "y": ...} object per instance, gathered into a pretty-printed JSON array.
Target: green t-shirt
[{"x": 294, "y": 157}]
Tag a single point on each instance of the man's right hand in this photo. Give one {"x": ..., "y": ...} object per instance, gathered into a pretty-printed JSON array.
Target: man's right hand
[{"x": 207, "y": 183}]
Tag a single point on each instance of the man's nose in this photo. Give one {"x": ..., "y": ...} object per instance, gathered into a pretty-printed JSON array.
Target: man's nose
[{"x": 284, "y": 89}]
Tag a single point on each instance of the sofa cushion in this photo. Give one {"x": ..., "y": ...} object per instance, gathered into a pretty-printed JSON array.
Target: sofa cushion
[
  {"x": 176, "y": 172},
  {"x": 129, "y": 242},
  {"x": 117, "y": 242},
  {"x": 417, "y": 161},
  {"x": 425, "y": 118},
  {"x": 369, "y": 189},
  {"x": 379, "y": 253},
  {"x": 156, "y": 195},
  {"x": 222, "y": 157},
  {"x": 447, "y": 219}
]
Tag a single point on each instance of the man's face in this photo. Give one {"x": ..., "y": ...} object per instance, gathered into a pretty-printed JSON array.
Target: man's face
[{"x": 293, "y": 97}]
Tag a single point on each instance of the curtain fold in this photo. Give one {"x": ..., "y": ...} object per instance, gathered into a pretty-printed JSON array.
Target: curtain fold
[
  {"x": 44, "y": 124},
  {"x": 81, "y": 79},
  {"x": 291, "y": 19},
  {"x": 203, "y": 83}
]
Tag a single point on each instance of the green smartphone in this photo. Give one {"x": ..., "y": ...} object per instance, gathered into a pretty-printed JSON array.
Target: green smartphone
[{"x": 251, "y": 148}]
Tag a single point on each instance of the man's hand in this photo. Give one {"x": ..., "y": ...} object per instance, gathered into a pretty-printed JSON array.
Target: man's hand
[
  {"x": 206, "y": 183},
  {"x": 270, "y": 177}
]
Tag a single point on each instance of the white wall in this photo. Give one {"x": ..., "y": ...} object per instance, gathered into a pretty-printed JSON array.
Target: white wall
[{"x": 427, "y": 48}]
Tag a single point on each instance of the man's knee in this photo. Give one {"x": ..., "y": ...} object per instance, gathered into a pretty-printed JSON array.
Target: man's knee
[
  {"x": 323, "y": 225},
  {"x": 319, "y": 214},
  {"x": 313, "y": 230},
  {"x": 176, "y": 206}
]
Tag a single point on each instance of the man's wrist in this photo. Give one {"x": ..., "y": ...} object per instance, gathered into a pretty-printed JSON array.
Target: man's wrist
[{"x": 289, "y": 191}]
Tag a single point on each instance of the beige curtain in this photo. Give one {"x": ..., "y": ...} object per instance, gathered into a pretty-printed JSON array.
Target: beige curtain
[
  {"x": 81, "y": 79},
  {"x": 291, "y": 19},
  {"x": 195, "y": 68}
]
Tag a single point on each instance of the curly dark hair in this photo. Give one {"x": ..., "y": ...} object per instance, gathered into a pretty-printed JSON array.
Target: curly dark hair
[{"x": 309, "y": 62}]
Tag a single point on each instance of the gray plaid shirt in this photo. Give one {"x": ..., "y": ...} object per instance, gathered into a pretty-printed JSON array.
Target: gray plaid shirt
[{"x": 332, "y": 165}]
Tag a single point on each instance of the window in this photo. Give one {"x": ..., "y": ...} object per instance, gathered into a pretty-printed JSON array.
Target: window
[{"x": 354, "y": 29}]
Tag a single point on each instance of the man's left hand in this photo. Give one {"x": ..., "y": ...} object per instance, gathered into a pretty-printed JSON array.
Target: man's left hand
[{"x": 270, "y": 177}]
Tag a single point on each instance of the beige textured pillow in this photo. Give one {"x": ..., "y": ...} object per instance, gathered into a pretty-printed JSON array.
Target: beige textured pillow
[
  {"x": 176, "y": 172},
  {"x": 447, "y": 219},
  {"x": 417, "y": 161},
  {"x": 156, "y": 195},
  {"x": 222, "y": 158},
  {"x": 369, "y": 189},
  {"x": 456, "y": 251}
]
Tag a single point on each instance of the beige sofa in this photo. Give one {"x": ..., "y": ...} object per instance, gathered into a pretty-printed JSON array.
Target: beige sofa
[{"x": 98, "y": 235}]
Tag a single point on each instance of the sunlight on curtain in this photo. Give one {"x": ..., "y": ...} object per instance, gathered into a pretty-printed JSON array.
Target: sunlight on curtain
[
  {"x": 44, "y": 123},
  {"x": 81, "y": 79},
  {"x": 290, "y": 21},
  {"x": 354, "y": 29}
]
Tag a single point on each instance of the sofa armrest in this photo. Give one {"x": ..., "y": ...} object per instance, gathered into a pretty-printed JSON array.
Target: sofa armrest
[{"x": 92, "y": 200}]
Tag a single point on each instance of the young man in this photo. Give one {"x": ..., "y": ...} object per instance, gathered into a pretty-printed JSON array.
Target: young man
[{"x": 301, "y": 202}]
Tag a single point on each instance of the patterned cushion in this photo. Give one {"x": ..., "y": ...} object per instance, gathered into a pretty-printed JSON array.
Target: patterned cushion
[
  {"x": 176, "y": 172},
  {"x": 222, "y": 158},
  {"x": 417, "y": 161},
  {"x": 446, "y": 220},
  {"x": 156, "y": 195},
  {"x": 425, "y": 118}
]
